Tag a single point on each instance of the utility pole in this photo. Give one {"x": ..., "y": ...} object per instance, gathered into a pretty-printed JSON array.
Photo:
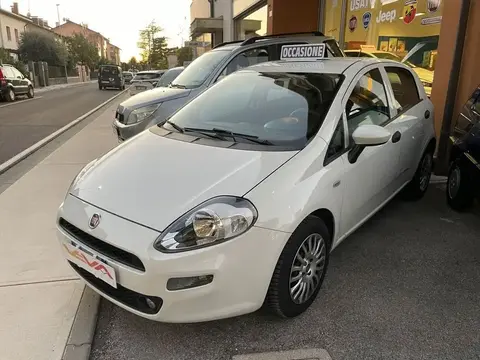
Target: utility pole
[{"x": 58, "y": 13}]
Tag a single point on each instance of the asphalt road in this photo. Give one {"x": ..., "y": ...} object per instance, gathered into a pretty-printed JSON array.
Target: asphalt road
[
  {"x": 25, "y": 122},
  {"x": 404, "y": 286}
]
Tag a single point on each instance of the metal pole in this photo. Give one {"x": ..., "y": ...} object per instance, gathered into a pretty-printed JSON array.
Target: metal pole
[
  {"x": 58, "y": 13},
  {"x": 343, "y": 23}
]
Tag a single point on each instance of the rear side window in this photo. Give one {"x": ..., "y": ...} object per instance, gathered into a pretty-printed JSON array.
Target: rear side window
[
  {"x": 7, "y": 72},
  {"x": 404, "y": 88}
]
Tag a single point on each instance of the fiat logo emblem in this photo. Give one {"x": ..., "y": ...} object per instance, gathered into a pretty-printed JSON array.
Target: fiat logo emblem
[{"x": 94, "y": 221}]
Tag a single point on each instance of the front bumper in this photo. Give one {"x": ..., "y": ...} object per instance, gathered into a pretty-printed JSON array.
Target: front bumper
[{"x": 241, "y": 268}]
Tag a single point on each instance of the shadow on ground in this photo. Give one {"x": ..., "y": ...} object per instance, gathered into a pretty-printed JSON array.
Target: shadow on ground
[{"x": 404, "y": 286}]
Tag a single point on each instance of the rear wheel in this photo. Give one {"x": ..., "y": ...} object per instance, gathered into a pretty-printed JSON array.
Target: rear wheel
[
  {"x": 459, "y": 187},
  {"x": 30, "y": 92},
  {"x": 419, "y": 184},
  {"x": 300, "y": 270},
  {"x": 10, "y": 95}
]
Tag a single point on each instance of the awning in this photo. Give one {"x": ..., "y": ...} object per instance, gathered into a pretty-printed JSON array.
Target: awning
[{"x": 201, "y": 26}]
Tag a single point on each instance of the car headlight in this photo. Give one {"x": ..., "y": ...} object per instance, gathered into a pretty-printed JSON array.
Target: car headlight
[
  {"x": 142, "y": 113},
  {"x": 212, "y": 222}
]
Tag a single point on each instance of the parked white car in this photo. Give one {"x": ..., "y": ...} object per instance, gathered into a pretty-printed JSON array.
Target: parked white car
[
  {"x": 144, "y": 80},
  {"x": 238, "y": 199}
]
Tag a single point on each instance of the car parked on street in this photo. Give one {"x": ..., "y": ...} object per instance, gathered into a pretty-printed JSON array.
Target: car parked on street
[
  {"x": 145, "y": 80},
  {"x": 128, "y": 76},
  {"x": 237, "y": 200},
  {"x": 464, "y": 173},
  {"x": 13, "y": 83},
  {"x": 425, "y": 75},
  {"x": 110, "y": 76},
  {"x": 169, "y": 76},
  {"x": 137, "y": 114}
]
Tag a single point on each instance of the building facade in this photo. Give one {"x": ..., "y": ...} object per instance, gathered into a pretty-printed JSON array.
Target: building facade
[
  {"x": 439, "y": 38},
  {"x": 105, "y": 48}
]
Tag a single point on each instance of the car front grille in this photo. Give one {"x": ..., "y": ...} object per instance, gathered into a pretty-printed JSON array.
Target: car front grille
[
  {"x": 120, "y": 117},
  {"x": 102, "y": 247},
  {"x": 126, "y": 296}
]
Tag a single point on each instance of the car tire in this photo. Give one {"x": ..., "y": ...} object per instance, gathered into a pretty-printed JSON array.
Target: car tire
[
  {"x": 460, "y": 187},
  {"x": 10, "y": 95},
  {"x": 300, "y": 270},
  {"x": 418, "y": 186},
  {"x": 31, "y": 92}
]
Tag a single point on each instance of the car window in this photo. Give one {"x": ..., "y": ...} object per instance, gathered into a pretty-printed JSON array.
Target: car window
[
  {"x": 404, "y": 88},
  {"x": 16, "y": 73},
  {"x": 476, "y": 106},
  {"x": 168, "y": 77},
  {"x": 241, "y": 103},
  {"x": 337, "y": 144},
  {"x": 7, "y": 72},
  {"x": 245, "y": 59},
  {"x": 200, "y": 69},
  {"x": 367, "y": 104},
  {"x": 146, "y": 76}
]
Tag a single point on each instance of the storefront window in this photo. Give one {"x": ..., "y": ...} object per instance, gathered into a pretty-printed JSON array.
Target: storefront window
[
  {"x": 254, "y": 24},
  {"x": 403, "y": 30},
  {"x": 333, "y": 18}
]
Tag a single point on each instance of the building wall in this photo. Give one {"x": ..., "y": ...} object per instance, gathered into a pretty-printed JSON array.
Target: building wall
[
  {"x": 199, "y": 9},
  {"x": 285, "y": 18},
  {"x": 13, "y": 24},
  {"x": 69, "y": 29},
  {"x": 224, "y": 9}
]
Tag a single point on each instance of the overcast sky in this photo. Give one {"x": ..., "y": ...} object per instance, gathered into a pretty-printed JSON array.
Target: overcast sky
[{"x": 120, "y": 23}]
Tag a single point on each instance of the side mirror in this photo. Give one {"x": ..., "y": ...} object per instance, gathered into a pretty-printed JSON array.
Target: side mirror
[
  {"x": 371, "y": 135},
  {"x": 367, "y": 135}
]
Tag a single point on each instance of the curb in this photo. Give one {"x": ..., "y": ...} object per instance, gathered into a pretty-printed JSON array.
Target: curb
[
  {"x": 27, "y": 152},
  {"x": 79, "y": 343}
]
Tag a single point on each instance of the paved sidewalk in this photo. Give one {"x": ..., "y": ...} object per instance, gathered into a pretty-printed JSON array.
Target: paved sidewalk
[
  {"x": 41, "y": 90},
  {"x": 39, "y": 293}
]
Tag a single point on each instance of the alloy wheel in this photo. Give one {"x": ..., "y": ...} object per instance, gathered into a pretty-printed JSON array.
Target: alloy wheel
[
  {"x": 11, "y": 94},
  {"x": 454, "y": 182},
  {"x": 307, "y": 268},
  {"x": 425, "y": 171}
]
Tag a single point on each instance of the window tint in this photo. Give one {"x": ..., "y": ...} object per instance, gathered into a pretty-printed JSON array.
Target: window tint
[
  {"x": 404, "y": 88},
  {"x": 367, "y": 103},
  {"x": 245, "y": 59},
  {"x": 242, "y": 103},
  {"x": 337, "y": 144}
]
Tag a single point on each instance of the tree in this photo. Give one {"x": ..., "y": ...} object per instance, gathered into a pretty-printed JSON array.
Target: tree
[
  {"x": 35, "y": 46},
  {"x": 83, "y": 51},
  {"x": 153, "y": 47},
  {"x": 132, "y": 62},
  {"x": 184, "y": 54}
]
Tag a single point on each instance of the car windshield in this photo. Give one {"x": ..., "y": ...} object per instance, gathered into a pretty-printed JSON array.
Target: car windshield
[
  {"x": 390, "y": 56},
  {"x": 127, "y": 74},
  {"x": 109, "y": 70},
  {"x": 197, "y": 72},
  {"x": 168, "y": 77},
  {"x": 147, "y": 76},
  {"x": 281, "y": 109}
]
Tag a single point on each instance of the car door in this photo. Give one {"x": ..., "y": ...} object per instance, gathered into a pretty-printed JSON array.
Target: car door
[
  {"x": 11, "y": 78},
  {"x": 411, "y": 117},
  {"x": 371, "y": 179},
  {"x": 22, "y": 81}
]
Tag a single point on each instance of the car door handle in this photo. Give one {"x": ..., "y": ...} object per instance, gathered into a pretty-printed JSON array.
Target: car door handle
[
  {"x": 427, "y": 114},
  {"x": 396, "y": 137}
]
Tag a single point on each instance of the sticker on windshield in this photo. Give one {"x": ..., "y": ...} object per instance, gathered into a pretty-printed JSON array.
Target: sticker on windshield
[{"x": 303, "y": 52}]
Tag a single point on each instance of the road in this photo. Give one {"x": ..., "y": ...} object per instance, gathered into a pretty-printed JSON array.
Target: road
[
  {"x": 25, "y": 122},
  {"x": 404, "y": 286}
]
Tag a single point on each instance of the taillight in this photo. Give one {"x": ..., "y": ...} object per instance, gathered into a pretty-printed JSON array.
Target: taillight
[{"x": 2, "y": 78}]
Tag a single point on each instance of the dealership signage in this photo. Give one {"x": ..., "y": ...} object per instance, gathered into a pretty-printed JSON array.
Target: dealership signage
[
  {"x": 384, "y": 16},
  {"x": 303, "y": 52}
]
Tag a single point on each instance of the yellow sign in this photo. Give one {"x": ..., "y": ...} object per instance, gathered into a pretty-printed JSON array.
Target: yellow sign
[{"x": 409, "y": 11}]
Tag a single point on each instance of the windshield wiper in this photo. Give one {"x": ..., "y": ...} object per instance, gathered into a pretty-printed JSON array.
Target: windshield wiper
[
  {"x": 205, "y": 132},
  {"x": 233, "y": 135},
  {"x": 178, "y": 86},
  {"x": 175, "y": 126}
]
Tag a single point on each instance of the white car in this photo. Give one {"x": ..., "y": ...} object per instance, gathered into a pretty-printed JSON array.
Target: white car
[
  {"x": 145, "y": 80},
  {"x": 238, "y": 199}
]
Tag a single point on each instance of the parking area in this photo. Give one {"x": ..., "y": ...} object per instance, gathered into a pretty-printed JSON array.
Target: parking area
[{"x": 405, "y": 286}]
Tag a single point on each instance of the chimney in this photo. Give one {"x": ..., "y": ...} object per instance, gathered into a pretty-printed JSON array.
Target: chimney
[{"x": 15, "y": 8}]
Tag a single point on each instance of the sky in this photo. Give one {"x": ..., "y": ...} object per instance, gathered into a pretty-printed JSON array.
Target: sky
[{"x": 120, "y": 24}]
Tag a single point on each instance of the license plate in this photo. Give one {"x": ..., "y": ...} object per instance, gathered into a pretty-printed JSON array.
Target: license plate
[
  {"x": 105, "y": 82},
  {"x": 141, "y": 87},
  {"x": 93, "y": 264}
]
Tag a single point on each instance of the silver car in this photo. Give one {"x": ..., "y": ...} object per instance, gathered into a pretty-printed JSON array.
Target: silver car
[
  {"x": 155, "y": 106},
  {"x": 145, "y": 80}
]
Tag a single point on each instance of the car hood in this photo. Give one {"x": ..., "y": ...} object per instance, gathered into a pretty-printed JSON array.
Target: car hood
[
  {"x": 153, "y": 180},
  {"x": 154, "y": 96}
]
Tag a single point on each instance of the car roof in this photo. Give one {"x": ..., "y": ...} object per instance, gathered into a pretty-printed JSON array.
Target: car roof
[{"x": 336, "y": 65}]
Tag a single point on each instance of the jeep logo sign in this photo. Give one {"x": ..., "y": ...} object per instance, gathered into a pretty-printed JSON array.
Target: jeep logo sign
[{"x": 386, "y": 16}]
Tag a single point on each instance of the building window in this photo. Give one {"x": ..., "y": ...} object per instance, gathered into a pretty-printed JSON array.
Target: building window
[
  {"x": 253, "y": 24},
  {"x": 16, "y": 36},
  {"x": 9, "y": 34},
  {"x": 399, "y": 30}
]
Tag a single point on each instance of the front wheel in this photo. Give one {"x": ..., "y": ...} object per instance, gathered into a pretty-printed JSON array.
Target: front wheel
[
  {"x": 418, "y": 186},
  {"x": 300, "y": 270},
  {"x": 30, "y": 92},
  {"x": 10, "y": 95},
  {"x": 459, "y": 187}
]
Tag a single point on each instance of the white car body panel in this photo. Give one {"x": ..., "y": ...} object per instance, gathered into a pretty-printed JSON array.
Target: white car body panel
[{"x": 149, "y": 181}]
